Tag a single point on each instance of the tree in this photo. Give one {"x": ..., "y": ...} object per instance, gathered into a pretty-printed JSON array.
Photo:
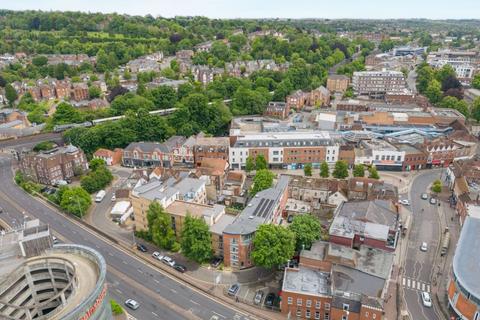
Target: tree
[
  {"x": 307, "y": 169},
  {"x": 475, "y": 81},
  {"x": 273, "y": 245},
  {"x": 324, "y": 170},
  {"x": 341, "y": 170},
  {"x": 160, "y": 226},
  {"x": 434, "y": 91},
  {"x": 373, "y": 173},
  {"x": 164, "y": 97},
  {"x": 249, "y": 164},
  {"x": 97, "y": 163},
  {"x": 10, "y": 94},
  {"x": 116, "y": 91},
  {"x": 39, "y": 61},
  {"x": 196, "y": 239},
  {"x": 66, "y": 113},
  {"x": 260, "y": 162},
  {"x": 75, "y": 201},
  {"x": 437, "y": 186},
  {"x": 263, "y": 180},
  {"x": 307, "y": 230},
  {"x": 130, "y": 101},
  {"x": 476, "y": 109},
  {"x": 43, "y": 146},
  {"x": 94, "y": 92},
  {"x": 3, "y": 82},
  {"x": 359, "y": 170}
]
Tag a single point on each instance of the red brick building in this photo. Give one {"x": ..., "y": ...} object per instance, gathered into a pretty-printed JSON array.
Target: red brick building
[{"x": 277, "y": 109}]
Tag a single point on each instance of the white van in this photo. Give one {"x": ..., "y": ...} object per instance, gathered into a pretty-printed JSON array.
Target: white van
[{"x": 100, "y": 195}]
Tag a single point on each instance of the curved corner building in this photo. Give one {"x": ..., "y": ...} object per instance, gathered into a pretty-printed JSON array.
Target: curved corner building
[
  {"x": 464, "y": 285},
  {"x": 38, "y": 281}
]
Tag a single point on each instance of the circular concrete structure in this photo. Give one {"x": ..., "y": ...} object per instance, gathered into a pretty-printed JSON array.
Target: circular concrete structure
[{"x": 68, "y": 282}]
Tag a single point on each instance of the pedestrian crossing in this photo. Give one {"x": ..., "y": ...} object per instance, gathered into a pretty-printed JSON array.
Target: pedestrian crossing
[{"x": 415, "y": 284}]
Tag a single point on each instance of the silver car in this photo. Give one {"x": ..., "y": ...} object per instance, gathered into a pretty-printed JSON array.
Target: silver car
[{"x": 132, "y": 304}]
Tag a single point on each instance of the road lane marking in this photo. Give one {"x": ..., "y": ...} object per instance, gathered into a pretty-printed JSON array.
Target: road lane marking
[
  {"x": 418, "y": 285},
  {"x": 413, "y": 284},
  {"x": 404, "y": 281},
  {"x": 408, "y": 283},
  {"x": 156, "y": 315},
  {"x": 428, "y": 288},
  {"x": 423, "y": 286},
  {"x": 173, "y": 290},
  {"x": 194, "y": 302}
]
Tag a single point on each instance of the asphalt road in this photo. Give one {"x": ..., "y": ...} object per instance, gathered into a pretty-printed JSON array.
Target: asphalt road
[
  {"x": 419, "y": 265},
  {"x": 160, "y": 296},
  {"x": 412, "y": 81}
]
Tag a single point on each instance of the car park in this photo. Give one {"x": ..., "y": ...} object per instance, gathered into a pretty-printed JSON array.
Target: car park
[
  {"x": 270, "y": 299},
  {"x": 433, "y": 201},
  {"x": 424, "y": 247},
  {"x": 426, "y": 300},
  {"x": 424, "y": 196},
  {"x": 258, "y": 297},
  {"x": 141, "y": 247},
  {"x": 179, "y": 267},
  {"x": 132, "y": 304},
  {"x": 168, "y": 261},
  {"x": 232, "y": 291}
]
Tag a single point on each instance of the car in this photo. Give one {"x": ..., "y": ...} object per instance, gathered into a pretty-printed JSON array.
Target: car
[
  {"x": 141, "y": 247},
  {"x": 114, "y": 198},
  {"x": 55, "y": 240},
  {"x": 132, "y": 304},
  {"x": 179, "y": 267},
  {"x": 215, "y": 262},
  {"x": 258, "y": 297},
  {"x": 424, "y": 196},
  {"x": 426, "y": 300},
  {"x": 270, "y": 299},
  {"x": 1, "y": 209},
  {"x": 433, "y": 201},
  {"x": 232, "y": 291},
  {"x": 157, "y": 255},
  {"x": 290, "y": 218},
  {"x": 405, "y": 202},
  {"x": 168, "y": 261},
  {"x": 424, "y": 247}
]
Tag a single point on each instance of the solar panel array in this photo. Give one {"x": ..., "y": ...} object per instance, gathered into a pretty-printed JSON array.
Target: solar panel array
[{"x": 264, "y": 208}]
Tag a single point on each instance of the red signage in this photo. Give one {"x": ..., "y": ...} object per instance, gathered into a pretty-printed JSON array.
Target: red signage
[{"x": 98, "y": 301}]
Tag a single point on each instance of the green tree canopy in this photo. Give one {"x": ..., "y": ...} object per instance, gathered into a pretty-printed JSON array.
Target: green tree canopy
[
  {"x": 373, "y": 173},
  {"x": 341, "y": 170},
  {"x": 196, "y": 239},
  {"x": 273, "y": 245},
  {"x": 75, "y": 200},
  {"x": 10, "y": 94},
  {"x": 307, "y": 169},
  {"x": 160, "y": 226},
  {"x": 324, "y": 170},
  {"x": 249, "y": 164},
  {"x": 66, "y": 113},
  {"x": 307, "y": 230},
  {"x": 437, "y": 186},
  {"x": 130, "y": 102},
  {"x": 260, "y": 162},
  {"x": 359, "y": 170},
  {"x": 263, "y": 180}
]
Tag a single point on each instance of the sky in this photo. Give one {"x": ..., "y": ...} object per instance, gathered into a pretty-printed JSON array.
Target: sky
[{"x": 332, "y": 9}]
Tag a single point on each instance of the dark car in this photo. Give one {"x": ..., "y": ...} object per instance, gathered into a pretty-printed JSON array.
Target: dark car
[
  {"x": 215, "y": 262},
  {"x": 290, "y": 219},
  {"x": 270, "y": 299},
  {"x": 141, "y": 247},
  {"x": 180, "y": 268},
  {"x": 232, "y": 291}
]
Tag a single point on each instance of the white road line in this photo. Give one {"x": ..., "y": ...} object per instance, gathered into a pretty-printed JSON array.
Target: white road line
[
  {"x": 428, "y": 288},
  {"x": 194, "y": 302},
  {"x": 156, "y": 315},
  {"x": 404, "y": 280},
  {"x": 423, "y": 286},
  {"x": 413, "y": 284},
  {"x": 124, "y": 262},
  {"x": 219, "y": 314},
  {"x": 118, "y": 290},
  {"x": 418, "y": 285},
  {"x": 408, "y": 283},
  {"x": 156, "y": 280},
  {"x": 173, "y": 290}
]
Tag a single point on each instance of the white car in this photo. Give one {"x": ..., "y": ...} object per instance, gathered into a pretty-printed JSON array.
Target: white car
[
  {"x": 424, "y": 247},
  {"x": 169, "y": 261},
  {"x": 114, "y": 198},
  {"x": 426, "y": 300},
  {"x": 424, "y": 196},
  {"x": 405, "y": 202},
  {"x": 157, "y": 255},
  {"x": 132, "y": 304},
  {"x": 433, "y": 201}
]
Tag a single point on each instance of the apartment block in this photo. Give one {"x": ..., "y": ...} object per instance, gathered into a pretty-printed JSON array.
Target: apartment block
[
  {"x": 283, "y": 149},
  {"x": 50, "y": 167},
  {"x": 465, "y": 63},
  {"x": 338, "y": 83},
  {"x": 376, "y": 84}
]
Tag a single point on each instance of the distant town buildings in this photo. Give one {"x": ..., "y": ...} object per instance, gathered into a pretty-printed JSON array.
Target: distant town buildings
[
  {"x": 465, "y": 63},
  {"x": 377, "y": 84}
]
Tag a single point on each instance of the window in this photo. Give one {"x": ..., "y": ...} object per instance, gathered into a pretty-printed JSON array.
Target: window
[
  {"x": 275, "y": 153},
  {"x": 374, "y": 316},
  {"x": 290, "y": 300},
  {"x": 344, "y": 317},
  {"x": 299, "y": 302},
  {"x": 377, "y": 157},
  {"x": 326, "y": 316},
  {"x": 317, "y": 304},
  {"x": 327, "y": 306},
  {"x": 308, "y": 304},
  {"x": 346, "y": 307},
  {"x": 317, "y": 315},
  {"x": 383, "y": 157},
  {"x": 299, "y": 313},
  {"x": 399, "y": 158},
  {"x": 307, "y": 313},
  {"x": 233, "y": 153},
  {"x": 366, "y": 314}
]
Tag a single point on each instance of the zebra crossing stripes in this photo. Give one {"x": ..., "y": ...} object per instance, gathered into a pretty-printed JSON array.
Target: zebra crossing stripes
[{"x": 415, "y": 284}]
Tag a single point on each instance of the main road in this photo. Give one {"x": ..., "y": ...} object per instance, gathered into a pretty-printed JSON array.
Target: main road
[
  {"x": 160, "y": 295},
  {"x": 419, "y": 266}
]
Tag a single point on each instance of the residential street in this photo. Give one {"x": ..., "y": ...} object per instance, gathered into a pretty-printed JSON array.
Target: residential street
[{"x": 160, "y": 295}]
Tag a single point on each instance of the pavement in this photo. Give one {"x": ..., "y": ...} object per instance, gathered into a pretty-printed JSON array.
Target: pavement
[{"x": 161, "y": 295}]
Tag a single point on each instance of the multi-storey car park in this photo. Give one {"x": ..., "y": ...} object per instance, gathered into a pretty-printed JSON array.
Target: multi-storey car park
[{"x": 41, "y": 281}]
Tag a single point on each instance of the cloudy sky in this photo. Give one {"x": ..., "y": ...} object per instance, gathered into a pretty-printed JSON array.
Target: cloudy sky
[{"x": 367, "y": 9}]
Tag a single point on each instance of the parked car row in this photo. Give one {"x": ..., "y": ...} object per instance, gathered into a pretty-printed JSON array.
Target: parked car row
[
  {"x": 169, "y": 262},
  {"x": 257, "y": 299}
]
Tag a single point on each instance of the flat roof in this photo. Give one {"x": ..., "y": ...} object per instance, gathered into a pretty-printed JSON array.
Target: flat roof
[
  {"x": 307, "y": 281},
  {"x": 466, "y": 263},
  {"x": 345, "y": 279}
]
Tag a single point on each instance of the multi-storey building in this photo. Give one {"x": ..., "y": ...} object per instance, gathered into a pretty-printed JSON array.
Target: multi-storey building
[
  {"x": 52, "y": 166},
  {"x": 338, "y": 83},
  {"x": 377, "y": 84},
  {"x": 464, "y": 284},
  {"x": 283, "y": 149},
  {"x": 266, "y": 207},
  {"x": 277, "y": 109},
  {"x": 206, "y": 74},
  {"x": 297, "y": 100},
  {"x": 209, "y": 148},
  {"x": 380, "y": 153},
  {"x": 465, "y": 63},
  {"x": 79, "y": 91}
]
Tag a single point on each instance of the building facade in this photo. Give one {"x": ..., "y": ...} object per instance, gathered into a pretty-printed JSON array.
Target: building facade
[{"x": 377, "y": 84}]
